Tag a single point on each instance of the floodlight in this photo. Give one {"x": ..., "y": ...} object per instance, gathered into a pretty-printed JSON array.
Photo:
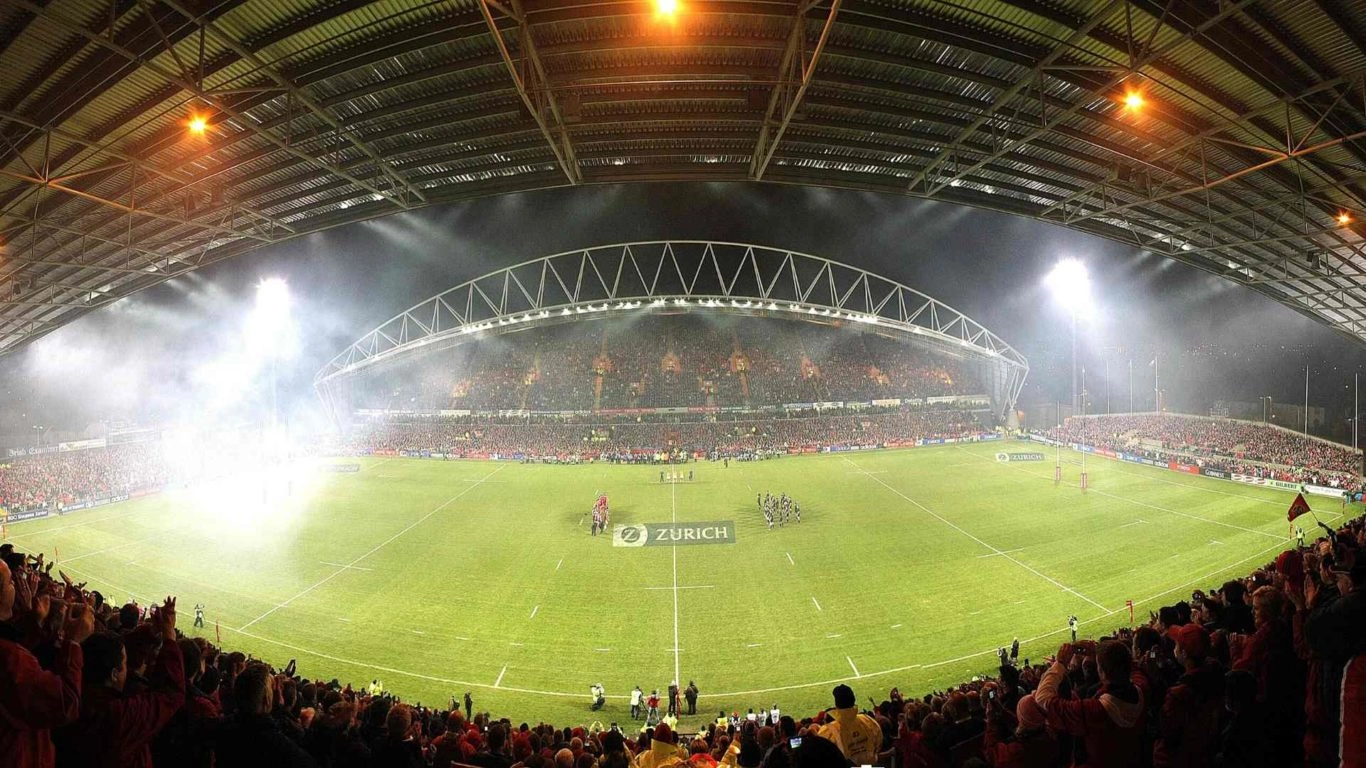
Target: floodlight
[
  {"x": 197, "y": 124},
  {"x": 1344, "y": 218},
  {"x": 1071, "y": 286},
  {"x": 666, "y": 7},
  {"x": 1133, "y": 100},
  {"x": 272, "y": 297}
]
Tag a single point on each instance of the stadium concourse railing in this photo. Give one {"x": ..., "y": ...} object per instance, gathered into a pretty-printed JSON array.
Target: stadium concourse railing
[
  {"x": 682, "y": 275},
  {"x": 1193, "y": 465}
]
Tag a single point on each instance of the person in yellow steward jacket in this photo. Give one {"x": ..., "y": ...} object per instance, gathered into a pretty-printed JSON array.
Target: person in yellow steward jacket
[
  {"x": 663, "y": 752},
  {"x": 857, "y": 735}
]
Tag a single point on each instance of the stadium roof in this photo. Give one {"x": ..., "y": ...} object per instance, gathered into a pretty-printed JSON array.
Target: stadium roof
[{"x": 1246, "y": 156}]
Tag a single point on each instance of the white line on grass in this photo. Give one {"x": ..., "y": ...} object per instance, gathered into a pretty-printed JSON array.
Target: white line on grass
[
  {"x": 124, "y": 545},
  {"x": 603, "y": 650},
  {"x": 818, "y": 605},
  {"x": 1136, "y": 522},
  {"x": 499, "y": 681},
  {"x": 673, "y": 506},
  {"x": 1215, "y": 541},
  {"x": 557, "y": 565},
  {"x": 777, "y": 689},
  {"x": 1136, "y": 502},
  {"x": 339, "y": 565},
  {"x": 81, "y": 524},
  {"x": 533, "y": 612},
  {"x": 832, "y": 635},
  {"x": 516, "y": 645},
  {"x": 789, "y": 558},
  {"x": 417, "y": 632},
  {"x": 376, "y": 548},
  {"x": 694, "y": 586},
  {"x": 753, "y": 645},
  {"x": 929, "y": 512},
  {"x": 896, "y": 626},
  {"x": 1007, "y": 552},
  {"x": 339, "y": 618},
  {"x": 851, "y": 666}
]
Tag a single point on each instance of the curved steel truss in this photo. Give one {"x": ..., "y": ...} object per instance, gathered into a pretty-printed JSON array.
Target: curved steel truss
[{"x": 683, "y": 275}]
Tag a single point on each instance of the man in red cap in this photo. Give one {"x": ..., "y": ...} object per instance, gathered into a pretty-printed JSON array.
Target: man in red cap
[{"x": 1188, "y": 725}]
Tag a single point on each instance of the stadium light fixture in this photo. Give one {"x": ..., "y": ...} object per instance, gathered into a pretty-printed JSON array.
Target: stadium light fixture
[
  {"x": 1344, "y": 218},
  {"x": 1133, "y": 100},
  {"x": 272, "y": 298},
  {"x": 1071, "y": 286},
  {"x": 666, "y": 7},
  {"x": 197, "y": 124}
]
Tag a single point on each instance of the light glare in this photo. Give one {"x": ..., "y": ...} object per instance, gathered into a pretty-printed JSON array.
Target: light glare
[
  {"x": 1133, "y": 101},
  {"x": 197, "y": 125},
  {"x": 1071, "y": 286},
  {"x": 666, "y": 7}
]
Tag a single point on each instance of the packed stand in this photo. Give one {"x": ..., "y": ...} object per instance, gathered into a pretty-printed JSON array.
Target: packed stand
[
  {"x": 1235, "y": 446},
  {"x": 664, "y": 362},
  {"x": 1260, "y": 672},
  {"x": 639, "y": 439},
  {"x": 56, "y": 480}
]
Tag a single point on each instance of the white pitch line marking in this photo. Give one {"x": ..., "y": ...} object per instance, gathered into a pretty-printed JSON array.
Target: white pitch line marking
[
  {"x": 376, "y": 548},
  {"x": 516, "y": 645},
  {"x": 466, "y": 639},
  {"x": 950, "y": 524},
  {"x": 603, "y": 650},
  {"x": 557, "y": 565},
  {"x": 339, "y": 618},
  {"x": 753, "y": 645},
  {"x": 789, "y": 558},
  {"x": 851, "y": 666},
  {"x": 533, "y": 612},
  {"x": 1214, "y": 541},
  {"x": 832, "y": 636},
  {"x": 896, "y": 626},
  {"x": 818, "y": 605},
  {"x": 417, "y": 632},
  {"x": 673, "y": 507},
  {"x": 352, "y": 567},
  {"x": 974, "y": 613},
  {"x": 690, "y": 586},
  {"x": 1136, "y": 522},
  {"x": 499, "y": 681},
  {"x": 1007, "y": 552},
  {"x": 728, "y": 694}
]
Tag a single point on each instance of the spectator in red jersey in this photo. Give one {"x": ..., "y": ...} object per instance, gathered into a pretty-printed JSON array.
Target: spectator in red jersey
[
  {"x": 33, "y": 700},
  {"x": 1188, "y": 724},
  {"x": 1109, "y": 725},
  {"x": 116, "y": 730},
  {"x": 1031, "y": 745}
]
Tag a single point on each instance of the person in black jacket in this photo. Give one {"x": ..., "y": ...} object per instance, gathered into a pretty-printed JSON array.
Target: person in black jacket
[{"x": 251, "y": 738}]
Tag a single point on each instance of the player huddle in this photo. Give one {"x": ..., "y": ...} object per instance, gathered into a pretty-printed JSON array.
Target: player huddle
[
  {"x": 778, "y": 509},
  {"x": 602, "y": 514}
]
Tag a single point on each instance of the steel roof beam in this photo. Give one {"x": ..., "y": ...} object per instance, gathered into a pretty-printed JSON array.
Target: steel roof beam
[
  {"x": 528, "y": 74},
  {"x": 794, "y": 76}
]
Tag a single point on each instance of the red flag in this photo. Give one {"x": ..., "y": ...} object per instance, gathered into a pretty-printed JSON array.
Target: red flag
[{"x": 1297, "y": 507}]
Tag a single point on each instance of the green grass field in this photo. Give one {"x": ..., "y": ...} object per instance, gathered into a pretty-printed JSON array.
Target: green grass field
[{"x": 909, "y": 569}]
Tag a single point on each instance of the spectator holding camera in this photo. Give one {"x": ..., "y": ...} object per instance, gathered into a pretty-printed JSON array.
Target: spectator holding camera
[{"x": 1108, "y": 725}]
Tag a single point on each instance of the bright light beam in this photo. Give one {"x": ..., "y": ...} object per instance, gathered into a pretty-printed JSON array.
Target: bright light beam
[{"x": 1071, "y": 286}]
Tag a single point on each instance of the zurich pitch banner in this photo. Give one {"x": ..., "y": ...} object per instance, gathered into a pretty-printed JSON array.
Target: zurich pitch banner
[{"x": 673, "y": 534}]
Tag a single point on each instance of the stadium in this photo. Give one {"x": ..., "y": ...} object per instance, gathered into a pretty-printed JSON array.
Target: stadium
[{"x": 684, "y": 449}]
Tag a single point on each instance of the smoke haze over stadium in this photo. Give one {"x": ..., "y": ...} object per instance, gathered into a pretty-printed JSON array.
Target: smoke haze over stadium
[{"x": 170, "y": 353}]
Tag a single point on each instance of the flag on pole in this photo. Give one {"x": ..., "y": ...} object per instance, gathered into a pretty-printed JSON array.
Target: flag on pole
[
  {"x": 1297, "y": 507},
  {"x": 1130, "y": 605},
  {"x": 218, "y": 633}
]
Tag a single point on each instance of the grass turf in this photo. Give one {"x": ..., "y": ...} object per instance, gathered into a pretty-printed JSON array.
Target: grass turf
[{"x": 909, "y": 569}]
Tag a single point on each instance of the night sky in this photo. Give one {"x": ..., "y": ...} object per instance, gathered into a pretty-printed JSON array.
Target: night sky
[{"x": 142, "y": 357}]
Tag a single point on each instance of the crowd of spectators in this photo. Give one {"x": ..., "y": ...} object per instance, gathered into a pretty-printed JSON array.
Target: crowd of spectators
[
  {"x": 60, "y": 479},
  {"x": 1244, "y": 447},
  {"x": 665, "y": 361},
  {"x": 1261, "y": 672},
  {"x": 607, "y": 439}
]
